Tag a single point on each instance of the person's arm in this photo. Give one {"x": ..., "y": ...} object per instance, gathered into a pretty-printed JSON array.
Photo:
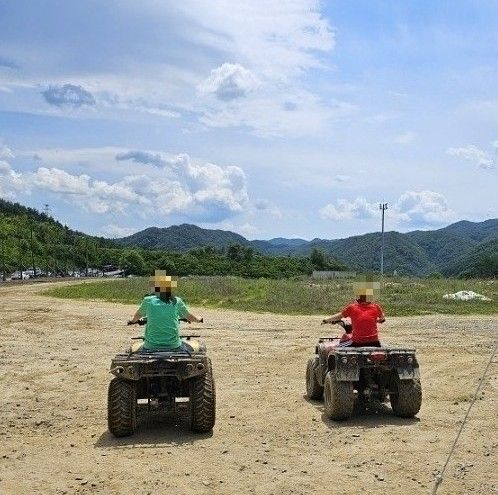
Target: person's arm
[
  {"x": 140, "y": 313},
  {"x": 186, "y": 314},
  {"x": 193, "y": 319},
  {"x": 136, "y": 317},
  {"x": 382, "y": 317},
  {"x": 333, "y": 318}
]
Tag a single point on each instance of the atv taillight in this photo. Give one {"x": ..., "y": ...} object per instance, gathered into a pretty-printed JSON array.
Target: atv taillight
[{"x": 378, "y": 356}]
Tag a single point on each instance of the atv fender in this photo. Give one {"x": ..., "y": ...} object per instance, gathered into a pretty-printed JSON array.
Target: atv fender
[
  {"x": 408, "y": 372},
  {"x": 345, "y": 366}
]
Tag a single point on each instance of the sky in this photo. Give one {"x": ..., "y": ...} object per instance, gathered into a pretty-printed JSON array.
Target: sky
[{"x": 275, "y": 118}]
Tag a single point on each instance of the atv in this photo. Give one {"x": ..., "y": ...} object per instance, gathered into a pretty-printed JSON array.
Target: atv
[
  {"x": 344, "y": 376},
  {"x": 169, "y": 381}
]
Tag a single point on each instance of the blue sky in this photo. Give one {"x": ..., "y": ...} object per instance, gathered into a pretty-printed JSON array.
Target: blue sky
[{"x": 277, "y": 118}]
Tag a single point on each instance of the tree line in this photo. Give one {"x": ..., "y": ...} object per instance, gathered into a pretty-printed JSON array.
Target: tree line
[{"x": 44, "y": 246}]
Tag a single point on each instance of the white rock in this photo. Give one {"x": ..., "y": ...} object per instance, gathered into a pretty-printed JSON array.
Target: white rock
[{"x": 466, "y": 295}]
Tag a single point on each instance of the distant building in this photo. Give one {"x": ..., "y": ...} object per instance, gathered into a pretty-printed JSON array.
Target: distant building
[
  {"x": 332, "y": 274},
  {"x": 115, "y": 273}
]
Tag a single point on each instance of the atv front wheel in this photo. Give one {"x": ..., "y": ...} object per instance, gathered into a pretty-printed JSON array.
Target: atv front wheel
[
  {"x": 313, "y": 389},
  {"x": 122, "y": 407},
  {"x": 406, "y": 399},
  {"x": 338, "y": 397},
  {"x": 203, "y": 401}
]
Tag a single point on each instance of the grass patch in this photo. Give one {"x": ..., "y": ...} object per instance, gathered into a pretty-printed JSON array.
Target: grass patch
[{"x": 400, "y": 297}]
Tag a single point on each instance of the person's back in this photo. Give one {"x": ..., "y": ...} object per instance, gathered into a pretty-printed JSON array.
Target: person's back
[
  {"x": 364, "y": 316},
  {"x": 163, "y": 311},
  {"x": 162, "y": 330}
]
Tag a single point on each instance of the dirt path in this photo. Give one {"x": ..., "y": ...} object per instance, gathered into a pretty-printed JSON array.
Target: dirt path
[{"x": 54, "y": 358}]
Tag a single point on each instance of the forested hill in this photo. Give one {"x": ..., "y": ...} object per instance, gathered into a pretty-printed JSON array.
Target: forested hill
[
  {"x": 30, "y": 239},
  {"x": 182, "y": 238},
  {"x": 16, "y": 220},
  {"x": 460, "y": 248}
]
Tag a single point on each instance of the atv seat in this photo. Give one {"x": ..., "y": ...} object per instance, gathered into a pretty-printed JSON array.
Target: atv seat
[{"x": 192, "y": 347}]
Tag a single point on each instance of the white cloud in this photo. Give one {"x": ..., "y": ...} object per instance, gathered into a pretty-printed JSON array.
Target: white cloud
[
  {"x": 424, "y": 208},
  {"x": 229, "y": 82},
  {"x": 203, "y": 189},
  {"x": 266, "y": 114},
  {"x": 11, "y": 182},
  {"x": 268, "y": 45},
  {"x": 6, "y": 153},
  {"x": 273, "y": 38},
  {"x": 474, "y": 154},
  {"x": 157, "y": 182},
  {"x": 345, "y": 209},
  {"x": 94, "y": 195},
  {"x": 405, "y": 138}
]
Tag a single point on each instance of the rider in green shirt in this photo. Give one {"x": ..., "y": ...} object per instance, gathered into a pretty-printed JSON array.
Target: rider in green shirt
[{"x": 163, "y": 310}]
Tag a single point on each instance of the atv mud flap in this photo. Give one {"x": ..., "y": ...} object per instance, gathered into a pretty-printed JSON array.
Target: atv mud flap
[
  {"x": 408, "y": 372},
  {"x": 347, "y": 372}
]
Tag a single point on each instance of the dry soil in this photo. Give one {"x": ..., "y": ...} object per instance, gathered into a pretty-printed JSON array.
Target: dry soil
[{"x": 268, "y": 439}]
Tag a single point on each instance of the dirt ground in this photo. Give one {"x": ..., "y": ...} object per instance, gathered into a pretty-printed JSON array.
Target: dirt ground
[{"x": 54, "y": 361}]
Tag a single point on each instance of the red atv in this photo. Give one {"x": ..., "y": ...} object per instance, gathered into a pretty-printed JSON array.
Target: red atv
[{"x": 343, "y": 375}]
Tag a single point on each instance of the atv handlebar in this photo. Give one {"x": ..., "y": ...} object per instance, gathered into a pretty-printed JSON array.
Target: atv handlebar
[
  {"x": 143, "y": 321},
  {"x": 338, "y": 322},
  {"x": 343, "y": 324}
]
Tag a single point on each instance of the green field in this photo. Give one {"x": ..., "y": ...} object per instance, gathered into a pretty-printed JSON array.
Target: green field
[{"x": 400, "y": 297}]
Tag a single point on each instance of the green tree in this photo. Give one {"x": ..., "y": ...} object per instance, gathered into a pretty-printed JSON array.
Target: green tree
[
  {"x": 318, "y": 259},
  {"x": 132, "y": 263}
]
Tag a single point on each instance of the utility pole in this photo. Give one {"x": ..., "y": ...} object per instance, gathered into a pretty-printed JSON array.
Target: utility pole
[
  {"x": 18, "y": 236},
  {"x": 86, "y": 256},
  {"x": 31, "y": 248},
  {"x": 383, "y": 208},
  {"x": 3, "y": 237}
]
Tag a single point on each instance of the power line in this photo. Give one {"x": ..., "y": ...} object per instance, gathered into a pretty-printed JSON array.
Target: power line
[{"x": 439, "y": 478}]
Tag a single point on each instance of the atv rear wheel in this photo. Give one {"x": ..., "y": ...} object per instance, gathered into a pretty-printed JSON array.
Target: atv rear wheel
[
  {"x": 338, "y": 397},
  {"x": 406, "y": 399},
  {"x": 122, "y": 407},
  {"x": 313, "y": 389},
  {"x": 203, "y": 401}
]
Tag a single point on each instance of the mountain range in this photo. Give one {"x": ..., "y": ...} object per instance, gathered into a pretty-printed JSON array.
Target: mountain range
[{"x": 451, "y": 250}]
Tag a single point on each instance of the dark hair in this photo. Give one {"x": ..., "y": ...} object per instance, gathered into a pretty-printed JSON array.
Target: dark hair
[{"x": 167, "y": 297}]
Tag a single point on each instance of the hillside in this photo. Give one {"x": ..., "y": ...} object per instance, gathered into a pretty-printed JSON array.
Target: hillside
[
  {"x": 449, "y": 250},
  {"x": 181, "y": 238},
  {"x": 33, "y": 239}
]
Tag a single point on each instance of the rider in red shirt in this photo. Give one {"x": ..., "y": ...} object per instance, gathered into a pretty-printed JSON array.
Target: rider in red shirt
[{"x": 364, "y": 315}]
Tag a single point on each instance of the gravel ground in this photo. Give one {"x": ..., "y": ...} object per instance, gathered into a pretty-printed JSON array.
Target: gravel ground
[{"x": 55, "y": 355}]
